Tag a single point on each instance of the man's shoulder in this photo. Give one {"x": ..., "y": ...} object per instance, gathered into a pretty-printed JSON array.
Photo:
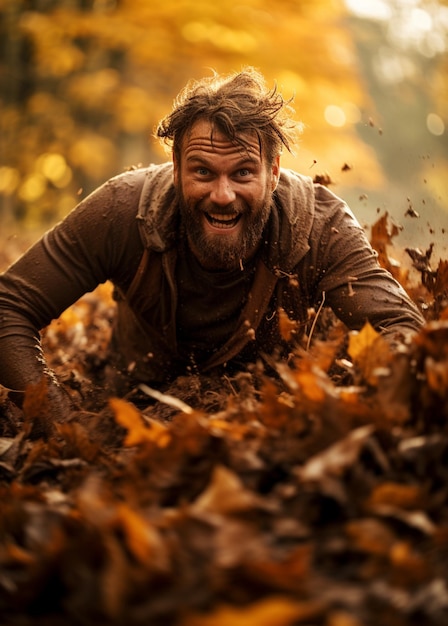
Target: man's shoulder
[
  {"x": 293, "y": 182},
  {"x": 291, "y": 178}
]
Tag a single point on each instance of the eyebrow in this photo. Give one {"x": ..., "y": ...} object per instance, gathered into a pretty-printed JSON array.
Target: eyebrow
[{"x": 244, "y": 160}]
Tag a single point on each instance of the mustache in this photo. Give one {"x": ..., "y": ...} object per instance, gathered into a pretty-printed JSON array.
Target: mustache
[{"x": 216, "y": 209}]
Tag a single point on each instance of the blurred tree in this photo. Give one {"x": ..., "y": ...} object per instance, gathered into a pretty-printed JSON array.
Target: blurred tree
[
  {"x": 84, "y": 82},
  {"x": 403, "y": 56}
]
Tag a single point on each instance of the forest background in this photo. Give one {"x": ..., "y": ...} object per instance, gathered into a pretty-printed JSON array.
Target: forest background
[{"x": 84, "y": 82}]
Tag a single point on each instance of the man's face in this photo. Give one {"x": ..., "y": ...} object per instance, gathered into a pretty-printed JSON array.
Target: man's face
[{"x": 225, "y": 194}]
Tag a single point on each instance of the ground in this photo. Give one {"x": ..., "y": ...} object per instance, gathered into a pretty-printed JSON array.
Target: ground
[{"x": 318, "y": 496}]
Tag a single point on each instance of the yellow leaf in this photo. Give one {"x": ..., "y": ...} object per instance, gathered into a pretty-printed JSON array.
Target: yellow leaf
[
  {"x": 362, "y": 341},
  {"x": 370, "y": 352}
]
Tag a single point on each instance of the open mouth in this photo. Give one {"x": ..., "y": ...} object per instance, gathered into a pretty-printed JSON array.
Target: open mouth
[{"x": 223, "y": 221}]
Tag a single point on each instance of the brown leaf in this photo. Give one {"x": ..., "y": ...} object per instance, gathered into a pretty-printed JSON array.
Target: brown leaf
[
  {"x": 370, "y": 536},
  {"x": 288, "y": 574},
  {"x": 226, "y": 494},
  {"x": 440, "y": 288},
  {"x": 37, "y": 413},
  {"x": 78, "y": 442},
  {"x": 337, "y": 458},
  {"x": 382, "y": 234},
  {"x": 408, "y": 567}
]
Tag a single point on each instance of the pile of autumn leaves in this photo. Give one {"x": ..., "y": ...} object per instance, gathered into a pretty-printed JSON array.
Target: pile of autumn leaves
[{"x": 319, "y": 497}]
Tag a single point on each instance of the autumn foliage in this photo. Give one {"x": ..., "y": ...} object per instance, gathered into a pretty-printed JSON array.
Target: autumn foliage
[{"x": 316, "y": 495}]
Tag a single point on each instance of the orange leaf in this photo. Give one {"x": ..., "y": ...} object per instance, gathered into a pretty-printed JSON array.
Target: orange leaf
[
  {"x": 138, "y": 432},
  {"x": 288, "y": 327},
  {"x": 273, "y": 611},
  {"x": 397, "y": 495},
  {"x": 143, "y": 539}
]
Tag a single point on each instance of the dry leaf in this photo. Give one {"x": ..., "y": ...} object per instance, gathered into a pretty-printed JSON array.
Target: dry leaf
[
  {"x": 226, "y": 494},
  {"x": 370, "y": 536},
  {"x": 398, "y": 495},
  {"x": 140, "y": 429},
  {"x": 337, "y": 458},
  {"x": 143, "y": 540},
  {"x": 370, "y": 352},
  {"x": 273, "y": 611},
  {"x": 288, "y": 327}
]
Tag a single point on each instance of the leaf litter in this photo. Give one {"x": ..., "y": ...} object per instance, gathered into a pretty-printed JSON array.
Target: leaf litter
[{"x": 316, "y": 496}]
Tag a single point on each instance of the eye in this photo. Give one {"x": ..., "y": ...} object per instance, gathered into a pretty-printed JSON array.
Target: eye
[
  {"x": 243, "y": 172},
  {"x": 203, "y": 171}
]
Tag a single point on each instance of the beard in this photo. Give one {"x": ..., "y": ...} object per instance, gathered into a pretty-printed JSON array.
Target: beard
[{"x": 224, "y": 252}]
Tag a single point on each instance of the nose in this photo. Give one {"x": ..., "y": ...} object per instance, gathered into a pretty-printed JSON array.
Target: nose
[{"x": 222, "y": 192}]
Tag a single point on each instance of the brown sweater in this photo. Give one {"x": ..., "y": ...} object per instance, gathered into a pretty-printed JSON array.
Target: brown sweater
[{"x": 170, "y": 312}]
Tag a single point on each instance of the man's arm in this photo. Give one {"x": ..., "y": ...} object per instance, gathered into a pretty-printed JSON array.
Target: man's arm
[
  {"x": 97, "y": 241},
  {"x": 356, "y": 287}
]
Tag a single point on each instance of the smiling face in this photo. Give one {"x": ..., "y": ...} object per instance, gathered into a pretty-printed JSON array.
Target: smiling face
[{"x": 225, "y": 194}]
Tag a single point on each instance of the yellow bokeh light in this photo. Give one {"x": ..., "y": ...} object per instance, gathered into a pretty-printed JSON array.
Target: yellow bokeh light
[
  {"x": 9, "y": 180},
  {"x": 54, "y": 167},
  {"x": 32, "y": 188},
  {"x": 435, "y": 124},
  {"x": 335, "y": 116}
]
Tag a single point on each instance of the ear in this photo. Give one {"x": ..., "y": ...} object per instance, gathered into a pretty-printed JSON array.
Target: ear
[
  {"x": 175, "y": 169},
  {"x": 275, "y": 172}
]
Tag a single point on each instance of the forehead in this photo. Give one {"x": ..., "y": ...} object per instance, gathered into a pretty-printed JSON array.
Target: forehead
[{"x": 205, "y": 137}]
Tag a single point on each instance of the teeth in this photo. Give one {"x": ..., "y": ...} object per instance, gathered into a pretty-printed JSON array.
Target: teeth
[{"x": 220, "y": 221}]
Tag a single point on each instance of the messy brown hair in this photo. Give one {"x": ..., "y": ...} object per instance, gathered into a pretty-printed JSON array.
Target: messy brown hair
[{"x": 235, "y": 104}]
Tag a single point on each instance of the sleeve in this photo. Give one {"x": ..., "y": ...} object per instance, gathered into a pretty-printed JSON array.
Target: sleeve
[
  {"x": 350, "y": 278},
  {"x": 98, "y": 241}
]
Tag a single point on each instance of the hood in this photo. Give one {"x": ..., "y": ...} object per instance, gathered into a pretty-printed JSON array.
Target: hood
[
  {"x": 157, "y": 211},
  {"x": 286, "y": 234},
  {"x": 290, "y": 222}
]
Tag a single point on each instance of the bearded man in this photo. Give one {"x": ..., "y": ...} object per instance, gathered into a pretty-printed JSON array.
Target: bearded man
[{"x": 204, "y": 251}]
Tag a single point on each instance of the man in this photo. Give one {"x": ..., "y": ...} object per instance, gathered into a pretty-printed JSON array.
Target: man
[{"x": 205, "y": 253}]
